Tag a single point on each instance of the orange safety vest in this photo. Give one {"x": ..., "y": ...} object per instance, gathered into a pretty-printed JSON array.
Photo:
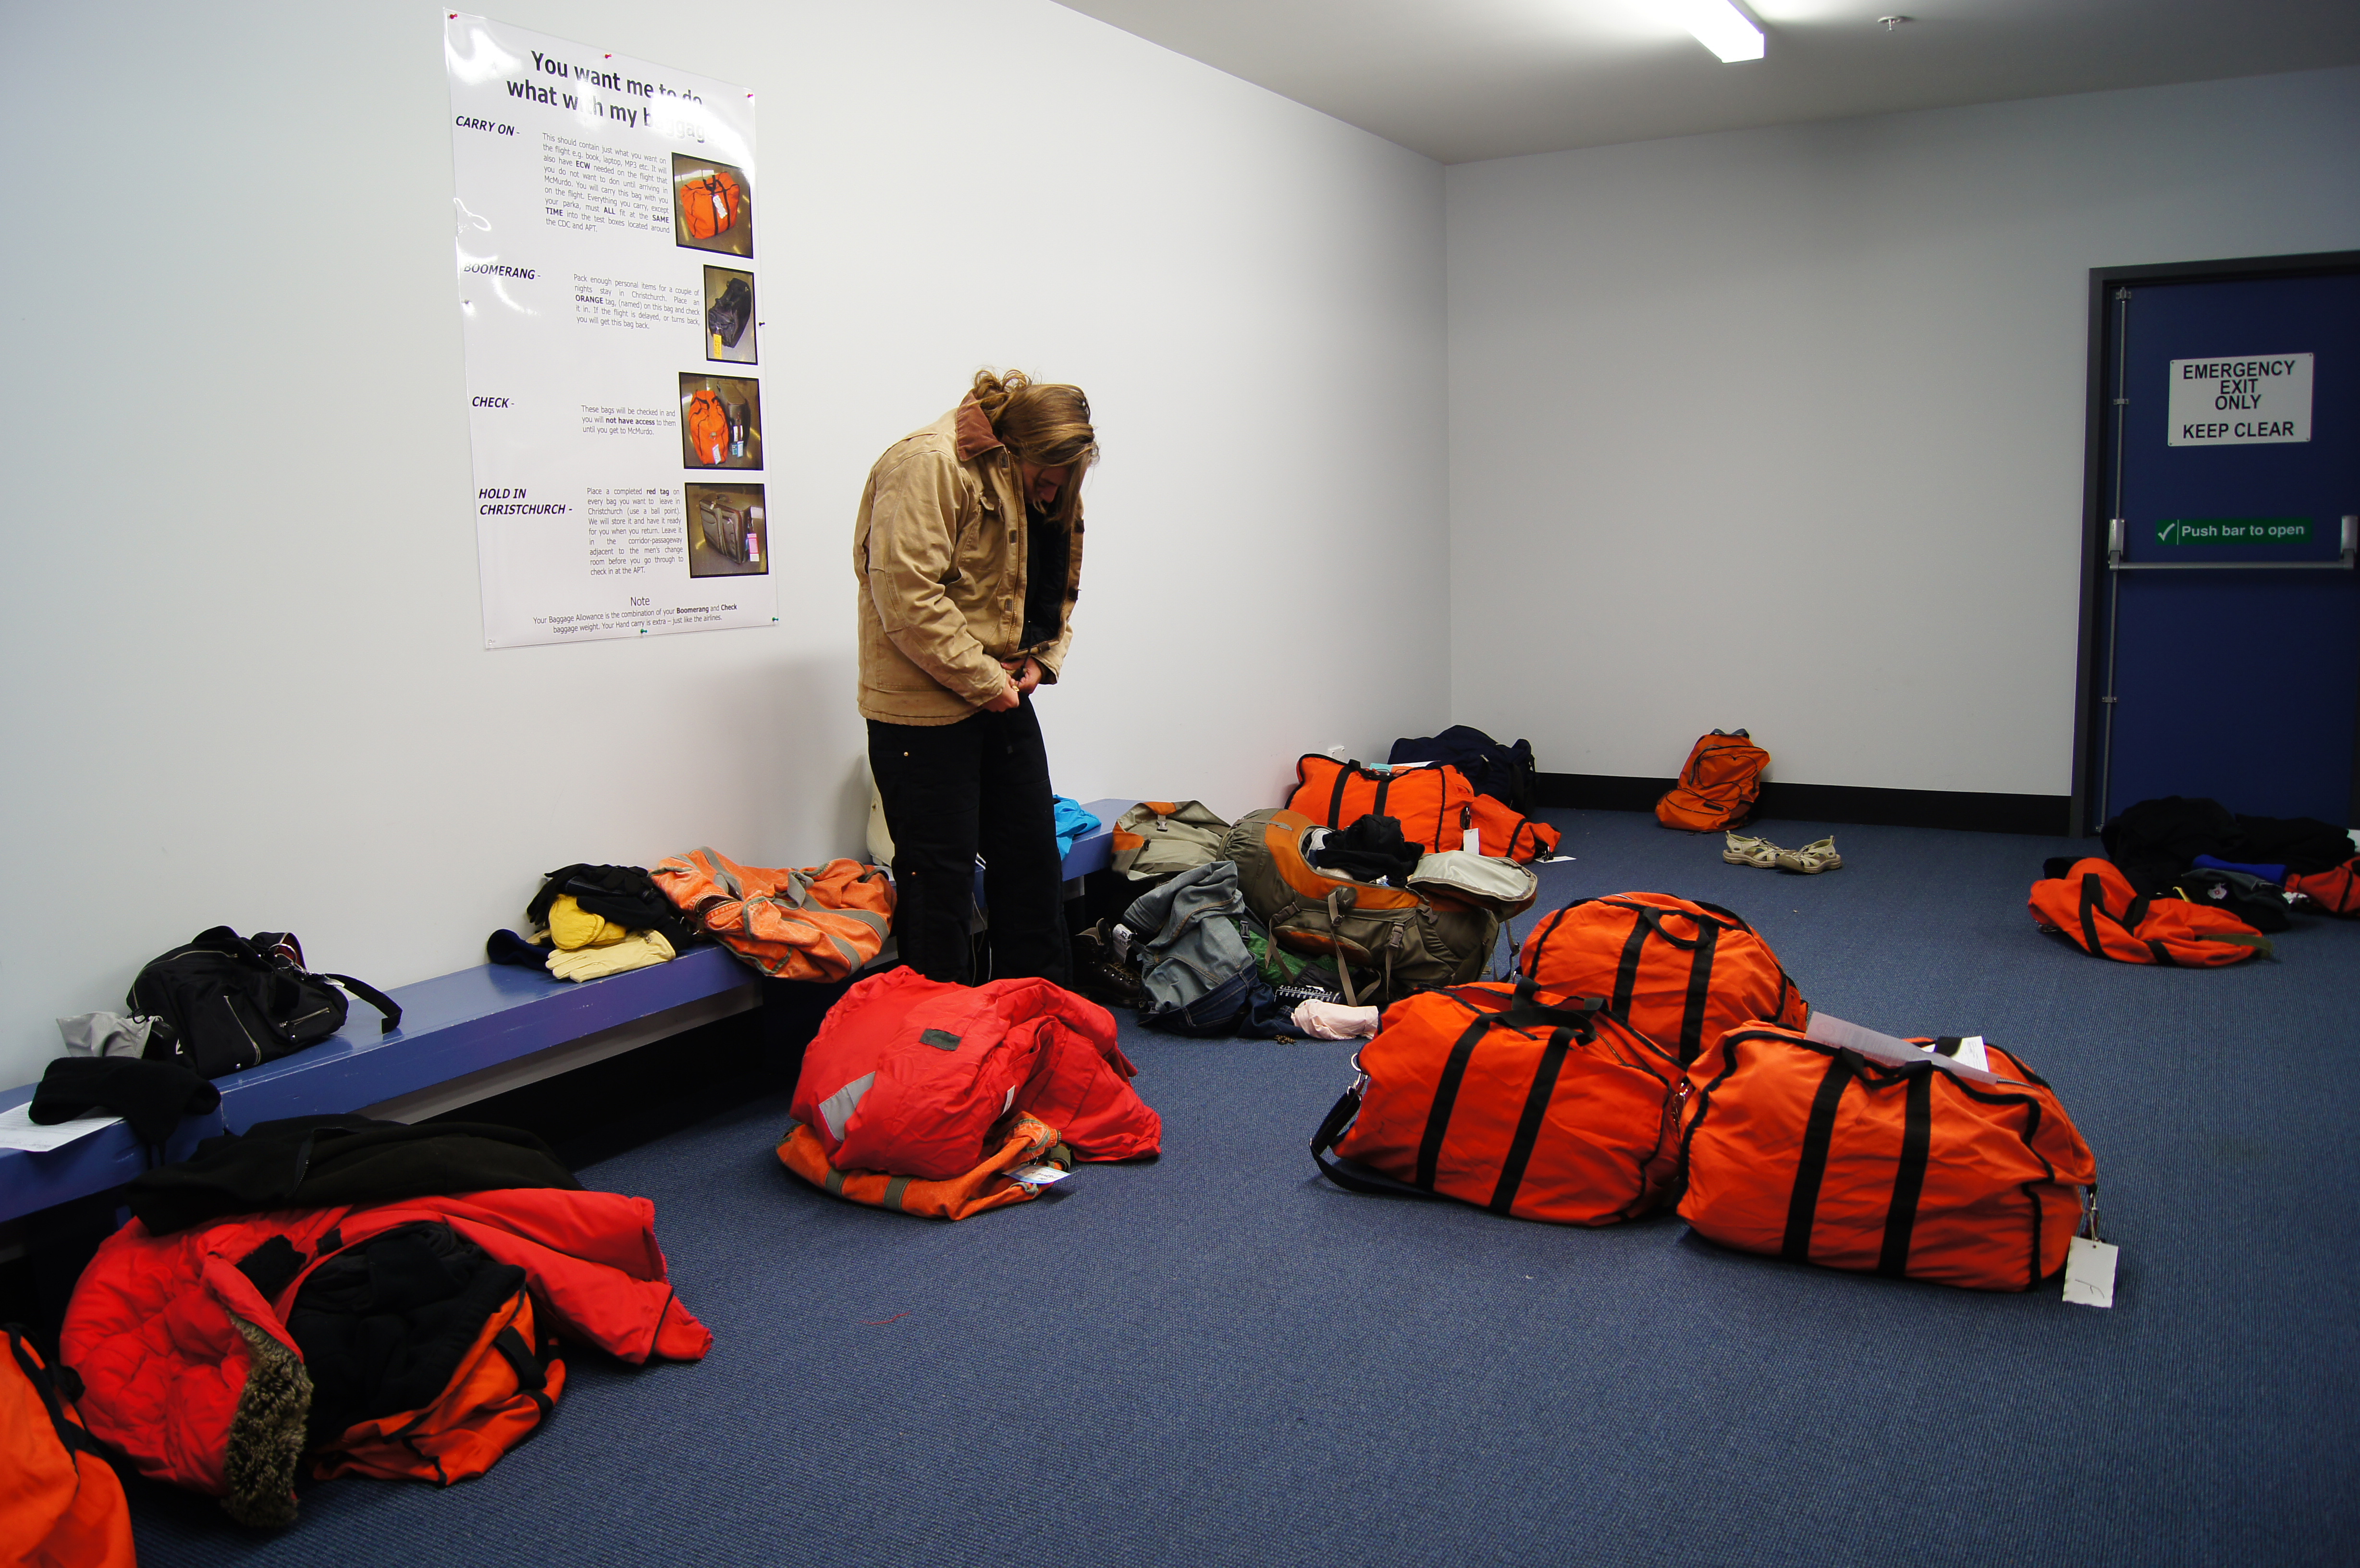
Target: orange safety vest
[
  {"x": 987, "y": 1186},
  {"x": 708, "y": 427},
  {"x": 820, "y": 922}
]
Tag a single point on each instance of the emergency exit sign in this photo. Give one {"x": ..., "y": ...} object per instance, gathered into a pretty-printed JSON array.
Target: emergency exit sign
[
  {"x": 2233, "y": 530},
  {"x": 2253, "y": 399}
]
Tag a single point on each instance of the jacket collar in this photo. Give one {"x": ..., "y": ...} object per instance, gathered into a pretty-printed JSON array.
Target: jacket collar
[{"x": 972, "y": 431}]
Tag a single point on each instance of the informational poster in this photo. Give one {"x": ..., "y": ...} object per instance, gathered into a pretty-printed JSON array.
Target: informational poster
[
  {"x": 2255, "y": 399},
  {"x": 606, "y": 217}
]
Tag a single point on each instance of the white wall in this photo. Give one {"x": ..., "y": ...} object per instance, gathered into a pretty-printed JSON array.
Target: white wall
[
  {"x": 1784, "y": 429},
  {"x": 246, "y": 681}
]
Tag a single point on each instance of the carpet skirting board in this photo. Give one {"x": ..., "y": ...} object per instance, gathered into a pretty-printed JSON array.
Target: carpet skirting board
[{"x": 1220, "y": 1358}]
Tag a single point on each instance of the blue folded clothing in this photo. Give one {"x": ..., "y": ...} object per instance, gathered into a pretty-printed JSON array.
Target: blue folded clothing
[{"x": 2266, "y": 873}]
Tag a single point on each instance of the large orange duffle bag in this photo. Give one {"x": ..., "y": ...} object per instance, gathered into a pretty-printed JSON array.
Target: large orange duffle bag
[
  {"x": 60, "y": 1505},
  {"x": 1717, "y": 785},
  {"x": 1520, "y": 1103},
  {"x": 1926, "y": 1169},
  {"x": 1679, "y": 973},
  {"x": 709, "y": 200},
  {"x": 820, "y": 922},
  {"x": 1432, "y": 800},
  {"x": 2095, "y": 908}
]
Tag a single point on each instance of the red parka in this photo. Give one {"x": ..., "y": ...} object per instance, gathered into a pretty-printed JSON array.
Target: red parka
[{"x": 166, "y": 1332}]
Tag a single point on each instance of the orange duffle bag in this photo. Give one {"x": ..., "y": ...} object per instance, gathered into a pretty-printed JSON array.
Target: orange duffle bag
[
  {"x": 820, "y": 922},
  {"x": 1515, "y": 1101},
  {"x": 503, "y": 1387},
  {"x": 1922, "y": 1168},
  {"x": 61, "y": 1504},
  {"x": 708, "y": 202},
  {"x": 1432, "y": 800},
  {"x": 2095, "y": 908},
  {"x": 1679, "y": 973}
]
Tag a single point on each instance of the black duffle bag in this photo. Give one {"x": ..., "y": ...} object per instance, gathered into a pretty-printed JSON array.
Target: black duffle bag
[{"x": 236, "y": 1002}]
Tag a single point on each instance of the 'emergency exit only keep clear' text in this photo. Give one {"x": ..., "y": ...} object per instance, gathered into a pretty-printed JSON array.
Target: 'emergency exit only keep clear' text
[{"x": 2246, "y": 401}]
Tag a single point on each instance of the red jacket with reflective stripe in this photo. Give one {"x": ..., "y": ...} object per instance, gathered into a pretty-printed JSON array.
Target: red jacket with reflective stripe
[
  {"x": 163, "y": 1365},
  {"x": 909, "y": 1075}
]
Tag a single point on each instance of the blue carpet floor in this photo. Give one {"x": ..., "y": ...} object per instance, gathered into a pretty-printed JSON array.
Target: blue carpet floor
[{"x": 1218, "y": 1358}]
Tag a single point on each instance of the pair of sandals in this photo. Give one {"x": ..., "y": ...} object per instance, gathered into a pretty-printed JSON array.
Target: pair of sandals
[{"x": 1811, "y": 860}]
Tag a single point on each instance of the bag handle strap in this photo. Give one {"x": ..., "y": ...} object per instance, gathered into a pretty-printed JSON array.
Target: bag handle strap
[{"x": 374, "y": 997}]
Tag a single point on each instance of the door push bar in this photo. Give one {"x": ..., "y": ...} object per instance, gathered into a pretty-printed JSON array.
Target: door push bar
[{"x": 2117, "y": 527}]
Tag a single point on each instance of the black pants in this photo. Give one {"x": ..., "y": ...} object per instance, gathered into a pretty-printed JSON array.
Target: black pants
[{"x": 952, "y": 792}]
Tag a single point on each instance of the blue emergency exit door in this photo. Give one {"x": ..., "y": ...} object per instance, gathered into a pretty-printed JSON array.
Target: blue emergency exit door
[{"x": 2229, "y": 657}]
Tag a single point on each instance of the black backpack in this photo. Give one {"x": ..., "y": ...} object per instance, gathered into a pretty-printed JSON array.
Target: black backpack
[
  {"x": 726, "y": 318},
  {"x": 1504, "y": 772},
  {"x": 236, "y": 1002}
]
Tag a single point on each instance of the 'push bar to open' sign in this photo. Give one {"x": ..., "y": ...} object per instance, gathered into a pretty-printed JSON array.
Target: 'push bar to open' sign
[{"x": 2247, "y": 401}]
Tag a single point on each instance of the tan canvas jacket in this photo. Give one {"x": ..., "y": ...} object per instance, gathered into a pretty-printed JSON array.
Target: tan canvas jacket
[{"x": 940, "y": 551}]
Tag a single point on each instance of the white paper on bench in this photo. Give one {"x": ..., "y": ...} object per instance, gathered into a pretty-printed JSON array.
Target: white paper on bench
[{"x": 18, "y": 1130}]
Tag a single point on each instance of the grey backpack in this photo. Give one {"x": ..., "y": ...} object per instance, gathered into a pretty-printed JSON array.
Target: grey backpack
[{"x": 1188, "y": 941}]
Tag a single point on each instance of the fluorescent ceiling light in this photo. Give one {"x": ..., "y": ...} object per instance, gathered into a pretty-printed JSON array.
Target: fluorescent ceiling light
[{"x": 1718, "y": 24}]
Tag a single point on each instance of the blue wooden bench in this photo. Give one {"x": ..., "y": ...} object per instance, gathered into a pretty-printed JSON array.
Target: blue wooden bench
[{"x": 464, "y": 1037}]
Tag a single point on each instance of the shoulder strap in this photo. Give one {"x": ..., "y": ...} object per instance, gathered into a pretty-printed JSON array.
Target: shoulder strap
[{"x": 374, "y": 997}]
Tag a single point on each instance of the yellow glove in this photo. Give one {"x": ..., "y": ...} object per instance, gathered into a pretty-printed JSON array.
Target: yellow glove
[
  {"x": 634, "y": 949},
  {"x": 571, "y": 926}
]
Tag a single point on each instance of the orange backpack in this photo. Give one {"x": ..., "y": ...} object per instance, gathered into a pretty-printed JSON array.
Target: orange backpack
[
  {"x": 708, "y": 427},
  {"x": 2095, "y": 908},
  {"x": 500, "y": 1391},
  {"x": 1520, "y": 1103},
  {"x": 708, "y": 204},
  {"x": 820, "y": 922},
  {"x": 1718, "y": 786},
  {"x": 1432, "y": 800},
  {"x": 1813, "y": 1152},
  {"x": 1678, "y": 973},
  {"x": 62, "y": 1505}
]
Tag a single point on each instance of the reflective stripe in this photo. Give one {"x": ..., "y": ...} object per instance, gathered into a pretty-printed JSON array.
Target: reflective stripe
[
  {"x": 835, "y": 1182},
  {"x": 838, "y": 1108},
  {"x": 893, "y": 1190}
]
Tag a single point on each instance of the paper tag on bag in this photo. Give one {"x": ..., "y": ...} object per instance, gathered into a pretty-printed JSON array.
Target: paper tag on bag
[
  {"x": 1037, "y": 1175},
  {"x": 2090, "y": 1272}
]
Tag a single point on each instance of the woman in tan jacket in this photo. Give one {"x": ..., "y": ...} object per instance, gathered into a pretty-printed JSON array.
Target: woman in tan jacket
[{"x": 968, "y": 552}]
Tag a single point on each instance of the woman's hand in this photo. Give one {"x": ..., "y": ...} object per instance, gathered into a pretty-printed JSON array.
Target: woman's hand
[{"x": 1024, "y": 675}]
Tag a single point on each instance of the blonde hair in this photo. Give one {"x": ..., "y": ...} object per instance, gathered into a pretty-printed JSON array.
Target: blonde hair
[{"x": 1047, "y": 424}]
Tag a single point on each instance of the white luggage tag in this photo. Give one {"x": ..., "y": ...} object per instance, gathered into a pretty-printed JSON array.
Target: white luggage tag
[
  {"x": 2089, "y": 1263},
  {"x": 1034, "y": 1177},
  {"x": 1895, "y": 1052}
]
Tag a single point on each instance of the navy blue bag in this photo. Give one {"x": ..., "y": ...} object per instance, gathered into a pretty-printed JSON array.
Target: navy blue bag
[{"x": 1504, "y": 772}]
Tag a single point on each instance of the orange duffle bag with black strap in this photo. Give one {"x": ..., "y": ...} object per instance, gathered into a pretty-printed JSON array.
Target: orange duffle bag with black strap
[
  {"x": 62, "y": 1505},
  {"x": 819, "y": 923},
  {"x": 1679, "y": 973},
  {"x": 1502, "y": 1097},
  {"x": 1432, "y": 801},
  {"x": 709, "y": 199},
  {"x": 1914, "y": 1164},
  {"x": 2094, "y": 906}
]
